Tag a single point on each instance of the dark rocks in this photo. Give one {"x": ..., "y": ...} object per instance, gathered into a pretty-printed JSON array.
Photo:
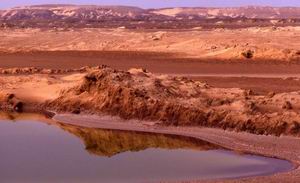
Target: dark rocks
[
  {"x": 214, "y": 47},
  {"x": 11, "y": 103},
  {"x": 18, "y": 106},
  {"x": 271, "y": 94},
  {"x": 76, "y": 111},
  {"x": 34, "y": 70},
  {"x": 287, "y": 105}
]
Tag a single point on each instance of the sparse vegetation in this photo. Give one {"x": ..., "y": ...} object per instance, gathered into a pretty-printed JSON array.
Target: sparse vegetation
[
  {"x": 175, "y": 101},
  {"x": 287, "y": 105},
  {"x": 248, "y": 54}
]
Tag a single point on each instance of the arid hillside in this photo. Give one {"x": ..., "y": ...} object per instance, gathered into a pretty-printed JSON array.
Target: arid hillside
[
  {"x": 234, "y": 12},
  {"x": 50, "y": 16}
]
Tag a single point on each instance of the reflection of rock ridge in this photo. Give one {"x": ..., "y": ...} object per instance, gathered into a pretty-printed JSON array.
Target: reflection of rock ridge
[
  {"x": 15, "y": 116},
  {"x": 111, "y": 142}
]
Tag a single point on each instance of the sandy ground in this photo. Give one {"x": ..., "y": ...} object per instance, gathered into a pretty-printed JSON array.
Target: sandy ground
[
  {"x": 37, "y": 88},
  {"x": 281, "y": 147},
  {"x": 266, "y": 43},
  {"x": 138, "y": 94},
  {"x": 259, "y": 85},
  {"x": 260, "y": 76},
  {"x": 213, "y": 56},
  {"x": 199, "y": 54}
]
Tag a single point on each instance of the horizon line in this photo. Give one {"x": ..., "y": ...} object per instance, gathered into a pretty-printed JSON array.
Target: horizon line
[{"x": 121, "y": 5}]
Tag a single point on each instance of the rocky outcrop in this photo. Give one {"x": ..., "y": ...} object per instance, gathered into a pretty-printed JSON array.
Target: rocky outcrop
[
  {"x": 138, "y": 94},
  {"x": 9, "y": 102}
]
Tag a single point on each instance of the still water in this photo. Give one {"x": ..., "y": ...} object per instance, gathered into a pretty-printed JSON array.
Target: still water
[{"x": 35, "y": 152}]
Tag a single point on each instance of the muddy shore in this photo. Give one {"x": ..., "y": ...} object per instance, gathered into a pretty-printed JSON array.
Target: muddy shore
[
  {"x": 33, "y": 90},
  {"x": 283, "y": 147}
]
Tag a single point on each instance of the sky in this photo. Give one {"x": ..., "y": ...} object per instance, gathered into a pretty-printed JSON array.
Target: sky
[{"x": 156, "y": 3}]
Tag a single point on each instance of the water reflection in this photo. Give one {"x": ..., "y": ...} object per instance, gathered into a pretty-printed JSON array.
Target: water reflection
[
  {"x": 36, "y": 149},
  {"x": 111, "y": 142},
  {"x": 15, "y": 116}
]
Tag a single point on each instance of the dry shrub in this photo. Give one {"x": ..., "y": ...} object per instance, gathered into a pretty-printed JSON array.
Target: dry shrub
[{"x": 248, "y": 54}]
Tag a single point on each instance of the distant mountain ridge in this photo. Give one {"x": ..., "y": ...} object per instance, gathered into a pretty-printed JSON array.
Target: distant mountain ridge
[
  {"x": 70, "y": 11},
  {"x": 122, "y": 11},
  {"x": 247, "y": 12},
  {"x": 57, "y": 14}
]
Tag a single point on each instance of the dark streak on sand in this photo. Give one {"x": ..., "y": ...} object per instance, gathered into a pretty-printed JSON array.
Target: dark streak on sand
[
  {"x": 211, "y": 71},
  {"x": 168, "y": 62}
]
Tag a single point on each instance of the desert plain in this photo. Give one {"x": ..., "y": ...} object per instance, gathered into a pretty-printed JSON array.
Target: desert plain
[{"x": 235, "y": 87}]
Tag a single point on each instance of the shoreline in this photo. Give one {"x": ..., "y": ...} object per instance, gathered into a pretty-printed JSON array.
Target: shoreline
[
  {"x": 283, "y": 147},
  {"x": 34, "y": 91}
]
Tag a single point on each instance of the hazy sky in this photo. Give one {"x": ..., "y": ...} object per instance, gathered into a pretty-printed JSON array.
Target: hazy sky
[{"x": 156, "y": 3}]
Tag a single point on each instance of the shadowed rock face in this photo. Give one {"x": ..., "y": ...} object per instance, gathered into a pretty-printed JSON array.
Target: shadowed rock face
[
  {"x": 138, "y": 94},
  {"x": 111, "y": 142}
]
